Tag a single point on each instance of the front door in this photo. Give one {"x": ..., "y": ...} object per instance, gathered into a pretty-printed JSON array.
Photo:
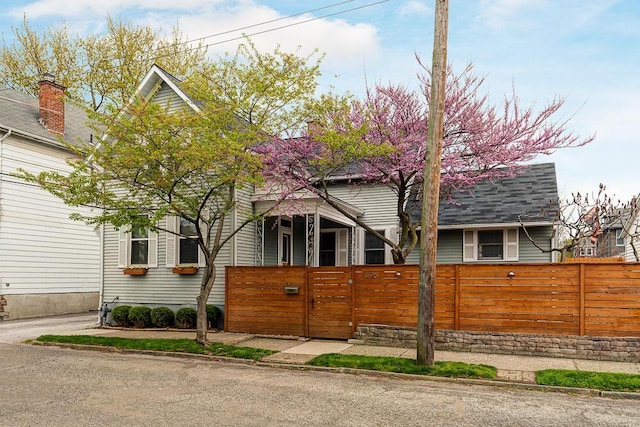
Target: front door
[{"x": 329, "y": 293}]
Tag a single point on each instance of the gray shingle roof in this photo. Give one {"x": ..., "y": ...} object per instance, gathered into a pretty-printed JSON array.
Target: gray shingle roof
[
  {"x": 19, "y": 112},
  {"x": 502, "y": 200}
]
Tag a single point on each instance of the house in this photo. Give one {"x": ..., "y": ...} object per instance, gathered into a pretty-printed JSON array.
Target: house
[
  {"x": 485, "y": 223},
  {"x": 49, "y": 264},
  {"x": 631, "y": 232},
  {"x": 483, "y": 227}
]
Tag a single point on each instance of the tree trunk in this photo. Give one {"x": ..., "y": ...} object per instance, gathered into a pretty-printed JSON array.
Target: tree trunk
[
  {"x": 431, "y": 190},
  {"x": 208, "y": 278}
]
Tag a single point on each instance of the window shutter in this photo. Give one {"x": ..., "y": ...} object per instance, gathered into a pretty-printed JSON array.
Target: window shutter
[
  {"x": 152, "y": 256},
  {"x": 359, "y": 246},
  {"x": 171, "y": 241},
  {"x": 342, "y": 247},
  {"x": 469, "y": 246},
  {"x": 202, "y": 258},
  {"x": 123, "y": 247},
  {"x": 204, "y": 217},
  {"x": 511, "y": 244},
  {"x": 391, "y": 234}
]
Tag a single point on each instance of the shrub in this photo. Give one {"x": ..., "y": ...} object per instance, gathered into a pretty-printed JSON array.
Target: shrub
[
  {"x": 162, "y": 317},
  {"x": 120, "y": 315},
  {"x": 186, "y": 318},
  {"x": 213, "y": 314},
  {"x": 140, "y": 316}
]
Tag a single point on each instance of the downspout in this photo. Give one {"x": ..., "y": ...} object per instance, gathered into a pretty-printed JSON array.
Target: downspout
[
  {"x": 5, "y": 136},
  {"x": 101, "y": 273}
]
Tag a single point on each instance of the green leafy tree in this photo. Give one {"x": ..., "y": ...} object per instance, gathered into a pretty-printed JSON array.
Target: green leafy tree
[
  {"x": 97, "y": 70},
  {"x": 158, "y": 160}
]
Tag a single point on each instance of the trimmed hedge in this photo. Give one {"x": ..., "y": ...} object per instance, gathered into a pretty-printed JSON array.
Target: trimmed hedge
[
  {"x": 186, "y": 318},
  {"x": 213, "y": 314},
  {"x": 162, "y": 317},
  {"x": 120, "y": 315},
  {"x": 140, "y": 316}
]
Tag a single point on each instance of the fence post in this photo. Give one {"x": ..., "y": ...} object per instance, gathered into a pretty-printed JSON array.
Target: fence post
[
  {"x": 582, "y": 291},
  {"x": 306, "y": 300},
  {"x": 353, "y": 300},
  {"x": 456, "y": 304}
]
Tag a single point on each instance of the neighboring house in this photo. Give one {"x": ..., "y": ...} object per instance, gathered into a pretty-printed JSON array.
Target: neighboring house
[
  {"x": 631, "y": 232},
  {"x": 49, "y": 264},
  {"x": 307, "y": 231}
]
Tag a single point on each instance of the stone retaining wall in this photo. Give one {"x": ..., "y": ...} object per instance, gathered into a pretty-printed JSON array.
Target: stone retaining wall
[{"x": 582, "y": 347}]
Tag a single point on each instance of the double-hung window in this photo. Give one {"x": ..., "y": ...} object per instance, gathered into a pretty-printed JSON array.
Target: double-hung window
[
  {"x": 374, "y": 250},
  {"x": 182, "y": 243},
  {"x": 619, "y": 237},
  {"x": 490, "y": 245},
  {"x": 137, "y": 246}
]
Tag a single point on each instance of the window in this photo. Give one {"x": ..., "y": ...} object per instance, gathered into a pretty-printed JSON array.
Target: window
[
  {"x": 137, "y": 246},
  {"x": 188, "y": 244},
  {"x": 374, "y": 250},
  {"x": 490, "y": 245},
  {"x": 182, "y": 243},
  {"x": 619, "y": 238}
]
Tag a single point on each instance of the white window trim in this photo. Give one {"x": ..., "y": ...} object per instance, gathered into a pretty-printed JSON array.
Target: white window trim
[
  {"x": 619, "y": 234},
  {"x": 282, "y": 231},
  {"x": 341, "y": 246},
  {"x": 470, "y": 245},
  {"x": 173, "y": 245},
  {"x": 124, "y": 248},
  {"x": 389, "y": 231}
]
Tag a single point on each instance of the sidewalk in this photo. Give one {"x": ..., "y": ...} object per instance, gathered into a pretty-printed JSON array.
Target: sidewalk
[{"x": 299, "y": 350}]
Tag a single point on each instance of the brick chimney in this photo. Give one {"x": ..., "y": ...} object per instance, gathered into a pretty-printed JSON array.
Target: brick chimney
[{"x": 51, "y": 104}]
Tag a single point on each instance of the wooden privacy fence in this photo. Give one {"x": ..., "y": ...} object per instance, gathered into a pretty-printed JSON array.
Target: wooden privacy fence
[{"x": 330, "y": 302}]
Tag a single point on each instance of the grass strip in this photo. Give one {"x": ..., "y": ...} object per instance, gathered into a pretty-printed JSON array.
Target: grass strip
[
  {"x": 404, "y": 366},
  {"x": 158, "y": 344},
  {"x": 586, "y": 379}
]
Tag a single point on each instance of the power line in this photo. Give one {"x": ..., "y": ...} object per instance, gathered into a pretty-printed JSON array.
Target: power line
[{"x": 149, "y": 58}]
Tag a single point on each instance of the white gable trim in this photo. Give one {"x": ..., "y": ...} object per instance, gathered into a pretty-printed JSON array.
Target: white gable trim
[{"x": 153, "y": 78}]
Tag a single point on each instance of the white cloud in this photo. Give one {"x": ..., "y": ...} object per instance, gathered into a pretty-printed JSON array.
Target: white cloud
[
  {"x": 498, "y": 14},
  {"x": 414, "y": 7},
  {"x": 346, "y": 44}
]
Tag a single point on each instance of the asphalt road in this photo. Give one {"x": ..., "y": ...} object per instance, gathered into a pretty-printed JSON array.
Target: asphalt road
[{"x": 60, "y": 387}]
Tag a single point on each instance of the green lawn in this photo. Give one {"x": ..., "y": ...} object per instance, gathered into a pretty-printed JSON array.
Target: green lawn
[
  {"x": 405, "y": 366},
  {"x": 586, "y": 379},
  {"x": 157, "y": 344}
]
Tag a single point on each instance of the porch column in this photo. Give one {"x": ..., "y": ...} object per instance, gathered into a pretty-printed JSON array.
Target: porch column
[
  {"x": 259, "y": 243},
  {"x": 310, "y": 220}
]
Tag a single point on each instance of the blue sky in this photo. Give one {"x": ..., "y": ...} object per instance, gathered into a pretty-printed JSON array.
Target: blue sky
[{"x": 587, "y": 51}]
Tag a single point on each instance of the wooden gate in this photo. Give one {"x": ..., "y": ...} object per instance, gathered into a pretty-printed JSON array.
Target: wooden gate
[{"x": 330, "y": 302}]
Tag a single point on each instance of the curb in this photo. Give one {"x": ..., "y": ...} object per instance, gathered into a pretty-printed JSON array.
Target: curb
[{"x": 353, "y": 371}]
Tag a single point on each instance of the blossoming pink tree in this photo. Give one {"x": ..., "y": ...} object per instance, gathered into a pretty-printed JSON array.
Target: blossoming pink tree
[{"x": 381, "y": 140}]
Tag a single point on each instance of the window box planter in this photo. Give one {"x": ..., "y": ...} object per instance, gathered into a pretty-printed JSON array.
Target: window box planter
[
  {"x": 135, "y": 271},
  {"x": 185, "y": 270}
]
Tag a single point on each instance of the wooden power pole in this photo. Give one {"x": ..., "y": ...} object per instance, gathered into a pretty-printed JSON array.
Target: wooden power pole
[{"x": 431, "y": 189}]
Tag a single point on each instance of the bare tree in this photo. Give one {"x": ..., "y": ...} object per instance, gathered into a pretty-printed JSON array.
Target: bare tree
[{"x": 580, "y": 220}]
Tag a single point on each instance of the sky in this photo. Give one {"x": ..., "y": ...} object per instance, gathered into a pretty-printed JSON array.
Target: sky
[{"x": 586, "y": 51}]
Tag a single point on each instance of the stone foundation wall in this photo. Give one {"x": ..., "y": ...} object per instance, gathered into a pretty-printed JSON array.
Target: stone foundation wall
[
  {"x": 38, "y": 305},
  {"x": 621, "y": 349}
]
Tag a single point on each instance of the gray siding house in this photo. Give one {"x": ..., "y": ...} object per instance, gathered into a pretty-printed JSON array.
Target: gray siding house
[
  {"x": 483, "y": 228},
  {"x": 49, "y": 264}
]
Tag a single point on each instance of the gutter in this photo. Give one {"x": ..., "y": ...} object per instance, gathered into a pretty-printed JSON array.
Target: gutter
[
  {"x": 46, "y": 141},
  {"x": 5, "y": 136}
]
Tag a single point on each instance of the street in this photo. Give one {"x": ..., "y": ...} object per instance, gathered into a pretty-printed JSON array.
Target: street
[{"x": 54, "y": 387}]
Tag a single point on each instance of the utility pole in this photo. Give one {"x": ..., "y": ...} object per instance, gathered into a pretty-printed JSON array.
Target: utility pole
[{"x": 431, "y": 189}]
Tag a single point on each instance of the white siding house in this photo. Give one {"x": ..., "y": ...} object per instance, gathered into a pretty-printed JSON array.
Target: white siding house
[{"x": 49, "y": 264}]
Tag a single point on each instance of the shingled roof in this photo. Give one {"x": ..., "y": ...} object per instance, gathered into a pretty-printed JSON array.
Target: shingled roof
[
  {"x": 19, "y": 112},
  {"x": 502, "y": 200}
]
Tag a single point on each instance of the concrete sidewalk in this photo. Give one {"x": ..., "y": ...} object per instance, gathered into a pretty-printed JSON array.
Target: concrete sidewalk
[{"x": 293, "y": 350}]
